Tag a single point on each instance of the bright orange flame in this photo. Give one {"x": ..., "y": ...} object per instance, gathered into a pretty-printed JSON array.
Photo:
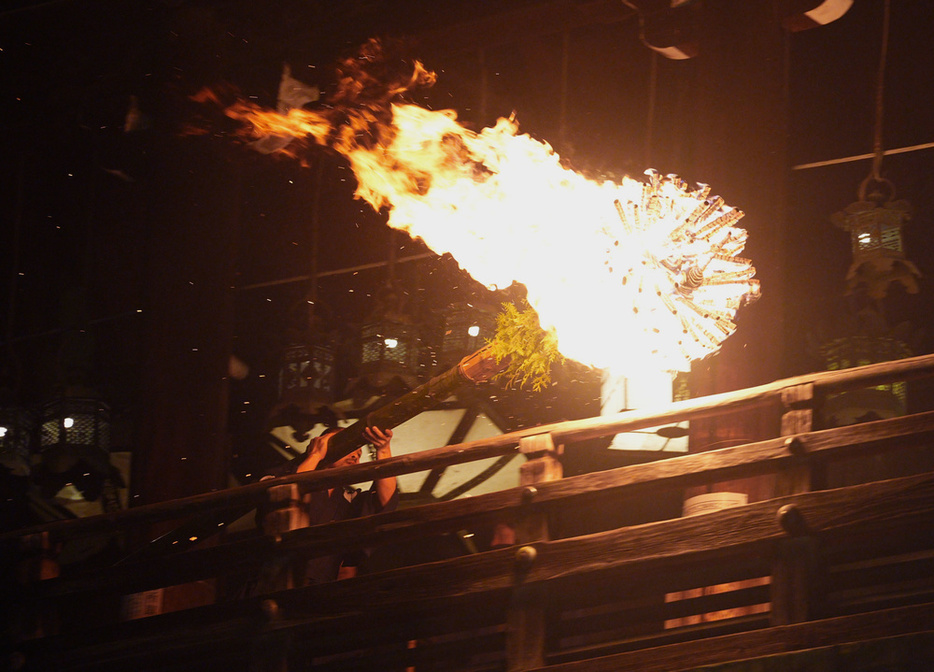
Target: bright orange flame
[{"x": 632, "y": 275}]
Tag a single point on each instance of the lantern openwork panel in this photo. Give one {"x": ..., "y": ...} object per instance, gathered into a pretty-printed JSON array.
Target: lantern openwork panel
[
  {"x": 387, "y": 345},
  {"x": 307, "y": 368},
  {"x": 466, "y": 328},
  {"x": 875, "y": 230},
  {"x": 75, "y": 422}
]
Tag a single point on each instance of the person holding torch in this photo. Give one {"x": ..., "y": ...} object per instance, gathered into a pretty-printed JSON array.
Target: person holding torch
[{"x": 331, "y": 505}]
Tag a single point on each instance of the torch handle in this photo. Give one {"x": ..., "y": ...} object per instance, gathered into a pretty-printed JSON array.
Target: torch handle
[{"x": 472, "y": 369}]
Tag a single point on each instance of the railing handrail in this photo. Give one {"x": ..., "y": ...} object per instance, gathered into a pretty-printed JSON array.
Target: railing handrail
[
  {"x": 562, "y": 432},
  {"x": 407, "y": 525}
]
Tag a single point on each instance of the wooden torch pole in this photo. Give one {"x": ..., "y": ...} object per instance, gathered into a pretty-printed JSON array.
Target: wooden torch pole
[{"x": 475, "y": 368}]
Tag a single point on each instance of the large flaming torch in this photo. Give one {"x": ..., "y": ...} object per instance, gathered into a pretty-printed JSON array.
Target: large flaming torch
[{"x": 636, "y": 275}]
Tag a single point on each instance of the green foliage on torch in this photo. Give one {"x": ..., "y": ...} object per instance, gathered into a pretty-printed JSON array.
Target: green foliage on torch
[{"x": 530, "y": 350}]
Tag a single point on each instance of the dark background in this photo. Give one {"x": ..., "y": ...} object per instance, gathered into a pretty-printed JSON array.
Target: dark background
[{"x": 139, "y": 261}]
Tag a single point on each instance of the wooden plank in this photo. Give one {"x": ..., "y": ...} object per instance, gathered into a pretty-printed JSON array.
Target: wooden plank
[
  {"x": 760, "y": 643},
  {"x": 478, "y": 651},
  {"x": 649, "y": 614},
  {"x": 882, "y": 580},
  {"x": 882, "y": 569},
  {"x": 904, "y": 652},
  {"x": 424, "y": 619},
  {"x": 167, "y": 641},
  {"x": 706, "y": 630},
  {"x": 147, "y": 654},
  {"x": 506, "y": 27}
]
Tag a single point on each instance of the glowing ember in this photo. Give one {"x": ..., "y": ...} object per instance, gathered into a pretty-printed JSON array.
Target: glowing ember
[{"x": 632, "y": 275}]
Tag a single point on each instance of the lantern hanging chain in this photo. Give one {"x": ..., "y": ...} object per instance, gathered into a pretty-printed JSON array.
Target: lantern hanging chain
[{"x": 878, "y": 152}]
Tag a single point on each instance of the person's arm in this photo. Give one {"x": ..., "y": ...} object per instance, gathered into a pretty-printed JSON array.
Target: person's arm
[
  {"x": 306, "y": 462},
  {"x": 381, "y": 440},
  {"x": 317, "y": 449}
]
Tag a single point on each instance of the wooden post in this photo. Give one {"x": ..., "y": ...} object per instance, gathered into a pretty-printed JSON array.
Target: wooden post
[
  {"x": 797, "y": 418},
  {"x": 525, "y": 633},
  {"x": 38, "y": 562},
  {"x": 795, "y": 568},
  {"x": 269, "y": 650},
  {"x": 288, "y": 511}
]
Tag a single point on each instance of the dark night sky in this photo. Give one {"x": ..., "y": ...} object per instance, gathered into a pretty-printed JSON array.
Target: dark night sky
[{"x": 78, "y": 193}]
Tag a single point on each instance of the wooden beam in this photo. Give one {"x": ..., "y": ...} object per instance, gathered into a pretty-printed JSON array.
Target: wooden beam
[
  {"x": 547, "y": 18},
  {"x": 766, "y": 642}
]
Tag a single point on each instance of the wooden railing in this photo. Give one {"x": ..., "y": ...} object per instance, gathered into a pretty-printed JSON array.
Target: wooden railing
[{"x": 841, "y": 555}]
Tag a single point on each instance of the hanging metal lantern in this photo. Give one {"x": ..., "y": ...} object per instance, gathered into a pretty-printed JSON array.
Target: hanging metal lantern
[
  {"x": 388, "y": 349},
  {"x": 389, "y": 342},
  {"x": 69, "y": 422},
  {"x": 307, "y": 373},
  {"x": 875, "y": 224},
  {"x": 74, "y": 445},
  {"x": 467, "y": 328}
]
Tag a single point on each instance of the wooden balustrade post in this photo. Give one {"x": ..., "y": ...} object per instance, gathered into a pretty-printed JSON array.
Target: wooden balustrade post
[
  {"x": 796, "y": 567},
  {"x": 38, "y": 562},
  {"x": 797, "y": 418},
  {"x": 795, "y": 570},
  {"x": 287, "y": 511},
  {"x": 525, "y": 634},
  {"x": 269, "y": 651}
]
